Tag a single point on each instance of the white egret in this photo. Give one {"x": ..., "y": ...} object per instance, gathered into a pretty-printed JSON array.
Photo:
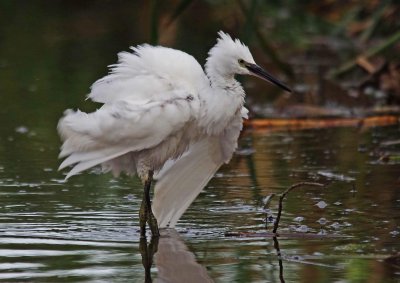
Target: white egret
[{"x": 163, "y": 115}]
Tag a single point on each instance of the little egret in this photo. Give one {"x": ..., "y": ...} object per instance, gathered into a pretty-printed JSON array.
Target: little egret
[{"x": 162, "y": 115}]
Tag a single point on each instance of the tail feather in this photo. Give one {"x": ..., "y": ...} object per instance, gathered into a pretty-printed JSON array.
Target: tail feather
[
  {"x": 77, "y": 157},
  {"x": 83, "y": 161},
  {"x": 81, "y": 148},
  {"x": 181, "y": 182}
]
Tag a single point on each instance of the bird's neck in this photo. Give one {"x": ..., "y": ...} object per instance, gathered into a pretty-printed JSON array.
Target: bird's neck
[
  {"x": 224, "y": 83},
  {"x": 227, "y": 86},
  {"x": 219, "y": 75},
  {"x": 224, "y": 102}
]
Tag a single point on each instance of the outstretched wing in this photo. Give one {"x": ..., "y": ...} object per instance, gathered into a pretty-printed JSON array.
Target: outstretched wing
[
  {"x": 149, "y": 94},
  {"x": 181, "y": 180}
]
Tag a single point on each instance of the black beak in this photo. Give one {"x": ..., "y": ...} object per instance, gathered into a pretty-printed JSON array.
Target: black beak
[{"x": 262, "y": 74}]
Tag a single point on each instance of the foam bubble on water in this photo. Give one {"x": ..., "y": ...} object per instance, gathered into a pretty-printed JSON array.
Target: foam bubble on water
[
  {"x": 298, "y": 218},
  {"x": 22, "y": 130},
  {"x": 321, "y": 204}
]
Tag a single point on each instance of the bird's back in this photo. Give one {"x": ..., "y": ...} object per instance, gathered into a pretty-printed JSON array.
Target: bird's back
[
  {"x": 151, "y": 99},
  {"x": 148, "y": 73}
]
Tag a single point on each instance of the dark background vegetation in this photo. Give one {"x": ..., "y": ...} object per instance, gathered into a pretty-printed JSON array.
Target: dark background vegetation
[{"x": 53, "y": 50}]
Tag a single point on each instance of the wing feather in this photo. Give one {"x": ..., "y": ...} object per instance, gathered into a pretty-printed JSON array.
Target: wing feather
[
  {"x": 148, "y": 73},
  {"x": 89, "y": 163},
  {"x": 182, "y": 180},
  {"x": 124, "y": 126},
  {"x": 150, "y": 94}
]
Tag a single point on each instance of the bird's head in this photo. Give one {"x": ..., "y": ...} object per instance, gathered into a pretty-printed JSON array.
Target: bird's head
[{"x": 230, "y": 57}]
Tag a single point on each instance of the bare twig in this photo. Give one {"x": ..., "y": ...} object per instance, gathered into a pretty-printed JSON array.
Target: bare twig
[{"x": 282, "y": 196}]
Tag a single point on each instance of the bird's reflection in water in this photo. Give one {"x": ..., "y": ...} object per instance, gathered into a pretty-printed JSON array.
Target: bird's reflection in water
[{"x": 174, "y": 261}]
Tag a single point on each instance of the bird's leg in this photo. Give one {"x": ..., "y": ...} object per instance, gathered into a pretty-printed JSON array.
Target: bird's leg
[
  {"x": 143, "y": 218},
  {"x": 150, "y": 218}
]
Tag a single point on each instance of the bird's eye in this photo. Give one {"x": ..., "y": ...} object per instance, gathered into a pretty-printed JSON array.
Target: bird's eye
[{"x": 241, "y": 62}]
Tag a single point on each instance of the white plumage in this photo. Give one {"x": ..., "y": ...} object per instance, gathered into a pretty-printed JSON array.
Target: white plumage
[{"x": 161, "y": 112}]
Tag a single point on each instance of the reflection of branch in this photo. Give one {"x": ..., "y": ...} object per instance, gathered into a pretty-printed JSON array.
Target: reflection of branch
[
  {"x": 282, "y": 196},
  {"x": 147, "y": 252},
  {"x": 267, "y": 201},
  {"x": 278, "y": 252}
]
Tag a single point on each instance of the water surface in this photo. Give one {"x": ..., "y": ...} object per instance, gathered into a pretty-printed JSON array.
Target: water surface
[{"x": 87, "y": 229}]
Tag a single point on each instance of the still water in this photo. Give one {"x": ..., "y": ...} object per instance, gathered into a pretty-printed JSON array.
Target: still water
[{"x": 86, "y": 230}]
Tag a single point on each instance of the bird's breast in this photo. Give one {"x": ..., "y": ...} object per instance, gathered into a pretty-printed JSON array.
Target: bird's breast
[
  {"x": 172, "y": 147},
  {"x": 218, "y": 110}
]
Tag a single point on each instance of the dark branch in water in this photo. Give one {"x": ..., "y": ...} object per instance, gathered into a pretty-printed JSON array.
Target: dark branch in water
[
  {"x": 278, "y": 252},
  {"x": 282, "y": 196}
]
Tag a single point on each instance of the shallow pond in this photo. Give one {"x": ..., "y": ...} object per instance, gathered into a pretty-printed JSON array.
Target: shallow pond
[{"x": 87, "y": 229}]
